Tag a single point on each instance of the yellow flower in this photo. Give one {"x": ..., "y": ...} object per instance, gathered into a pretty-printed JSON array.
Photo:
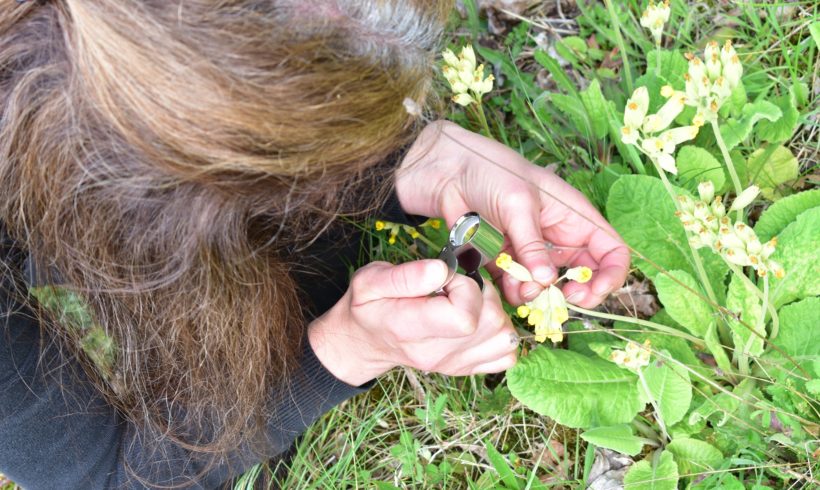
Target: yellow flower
[
  {"x": 392, "y": 239},
  {"x": 380, "y": 225},
  {"x": 634, "y": 356},
  {"x": 546, "y": 313},
  {"x": 579, "y": 274},
  {"x": 513, "y": 268}
]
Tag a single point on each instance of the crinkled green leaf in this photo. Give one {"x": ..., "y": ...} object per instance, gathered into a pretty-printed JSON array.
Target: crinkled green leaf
[
  {"x": 717, "y": 408},
  {"x": 696, "y": 165},
  {"x": 735, "y": 131},
  {"x": 644, "y": 215},
  {"x": 558, "y": 384},
  {"x": 673, "y": 67},
  {"x": 777, "y": 216},
  {"x": 814, "y": 29},
  {"x": 670, "y": 388},
  {"x": 579, "y": 338},
  {"x": 771, "y": 167},
  {"x": 744, "y": 302},
  {"x": 796, "y": 251},
  {"x": 574, "y": 110},
  {"x": 694, "y": 456},
  {"x": 735, "y": 103},
  {"x": 799, "y": 334},
  {"x": 644, "y": 475},
  {"x": 782, "y": 129},
  {"x": 596, "y": 107},
  {"x": 683, "y": 299},
  {"x": 554, "y": 68},
  {"x": 571, "y": 48},
  {"x": 615, "y": 437}
]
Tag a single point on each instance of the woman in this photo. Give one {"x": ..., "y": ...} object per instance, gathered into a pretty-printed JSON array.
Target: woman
[{"x": 181, "y": 167}]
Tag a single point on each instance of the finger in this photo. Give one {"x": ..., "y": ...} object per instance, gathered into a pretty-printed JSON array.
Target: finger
[
  {"x": 380, "y": 280},
  {"x": 496, "y": 366},
  {"x": 522, "y": 218},
  {"x": 497, "y": 346}
]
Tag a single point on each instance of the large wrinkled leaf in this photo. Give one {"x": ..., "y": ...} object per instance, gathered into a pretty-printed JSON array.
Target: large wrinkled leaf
[
  {"x": 737, "y": 130},
  {"x": 799, "y": 334},
  {"x": 683, "y": 299},
  {"x": 643, "y": 213},
  {"x": 780, "y": 214},
  {"x": 782, "y": 129},
  {"x": 574, "y": 110},
  {"x": 673, "y": 67},
  {"x": 644, "y": 475},
  {"x": 616, "y": 437},
  {"x": 670, "y": 389},
  {"x": 559, "y": 384},
  {"x": 694, "y": 456},
  {"x": 797, "y": 250},
  {"x": 696, "y": 165},
  {"x": 769, "y": 168},
  {"x": 717, "y": 408},
  {"x": 596, "y": 107},
  {"x": 743, "y": 301}
]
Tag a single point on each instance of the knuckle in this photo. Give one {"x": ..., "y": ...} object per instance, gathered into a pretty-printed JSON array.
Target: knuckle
[{"x": 421, "y": 361}]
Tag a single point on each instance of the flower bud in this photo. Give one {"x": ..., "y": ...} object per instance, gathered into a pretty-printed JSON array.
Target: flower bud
[
  {"x": 745, "y": 198},
  {"x": 579, "y": 274},
  {"x": 713, "y": 66},
  {"x": 636, "y": 108},
  {"x": 733, "y": 71},
  {"x": 463, "y": 99},
  {"x": 706, "y": 190},
  {"x": 450, "y": 58}
]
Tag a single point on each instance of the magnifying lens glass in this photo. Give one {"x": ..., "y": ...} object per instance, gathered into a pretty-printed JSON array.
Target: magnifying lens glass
[{"x": 472, "y": 243}]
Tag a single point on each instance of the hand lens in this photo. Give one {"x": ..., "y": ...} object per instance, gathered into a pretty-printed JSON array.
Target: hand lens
[{"x": 472, "y": 243}]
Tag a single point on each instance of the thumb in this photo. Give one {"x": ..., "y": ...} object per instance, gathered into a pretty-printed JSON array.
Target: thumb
[{"x": 381, "y": 280}]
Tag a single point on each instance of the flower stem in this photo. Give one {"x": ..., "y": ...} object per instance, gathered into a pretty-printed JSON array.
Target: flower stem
[
  {"x": 658, "y": 60},
  {"x": 768, "y": 304},
  {"x": 616, "y": 26},
  {"x": 658, "y": 415},
  {"x": 727, "y": 159},
  {"x": 637, "y": 321},
  {"x": 483, "y": 120}
]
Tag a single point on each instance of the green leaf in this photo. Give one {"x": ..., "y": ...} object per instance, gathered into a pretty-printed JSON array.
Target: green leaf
[
  {"x": 572, "y": 48},
  {"x": 617, "y": 438},
  {"x": 673, "y": 67},
  {"x": 683, "y": 299},
  {"x": 782, "y": 129},
  {"x": 771, "y": 167},
  {"x": 814, "y": 29},
  {"x": 644, "y": 475},
  {"x": 558, "y": 384},
  {"x": 558, "y": 74},
  {"x": 781, "y": 213},
  {"x": 644, "y": 215},
  {"x": 573, "y": 108},
  {"x": 722, "y": 404},
  {"x": 737, "y": 130},
  {"x": 743, "y": 301},
  {"x": 694, "y": 456},
  {"x": 696, "y": 165},
  {"x": 796, "y": 251},
  {"x": 653, "y": 86},
  {"x": 596, "y": 107},
  {"x": 502, "y": 467},
  {"x": 799, "y": 334},
  {"x": 671, "y": 389},
  {"x": 580, "y": 342},
  {"x": 735, "y": 103}
]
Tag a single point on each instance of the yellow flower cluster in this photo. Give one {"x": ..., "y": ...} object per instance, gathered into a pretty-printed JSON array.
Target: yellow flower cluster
[
  {"x": 655, "y": 17},
  {"x": 634, "y": 356},
  {"x": 709, "y": 83},
  {"x": 707, "y": 224},
  {"x": 465, "y": 78},
  {"x": 548, "y": 311},
  {"x": 395, "y": 228},
  {"x": 644, "y": 131}
]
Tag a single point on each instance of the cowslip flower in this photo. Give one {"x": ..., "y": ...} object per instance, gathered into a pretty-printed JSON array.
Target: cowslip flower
[
  {"x": 649, "y": 133},
  {"x": 634, "y": 355},
  {"x": 745, "y": 198},
  {"x": 513, "y": 268},
  {"x": 580, "y": 274},
  {"x": 465, "y": 78},
  {"x": 546, "y": 314},
  {"x": 655, "y": 17},
  {"x": 709, "y": 83}
]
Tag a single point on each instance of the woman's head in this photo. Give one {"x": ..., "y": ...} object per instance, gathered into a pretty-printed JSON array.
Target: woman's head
[{"x": 150, "y": 151}]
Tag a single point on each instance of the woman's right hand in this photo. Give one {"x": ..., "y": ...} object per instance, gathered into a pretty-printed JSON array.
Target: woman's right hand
[{"x": 387, "y": 318}]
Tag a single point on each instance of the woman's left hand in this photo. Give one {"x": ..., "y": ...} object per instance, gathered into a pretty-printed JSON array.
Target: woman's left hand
[{"x": 450, "y": 171}]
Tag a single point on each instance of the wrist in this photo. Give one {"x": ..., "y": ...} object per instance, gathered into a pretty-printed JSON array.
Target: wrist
[{"x": 342, "y": 350}]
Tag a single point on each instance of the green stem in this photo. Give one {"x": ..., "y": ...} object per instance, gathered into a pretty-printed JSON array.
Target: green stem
[
  {"x": 743, "y": 359},
  {"x": 727, "y": 159},
  {"x": 658, "y": 415},
  {"x": 637, "y": 321},
  {"x": 483, "y": 120},
  {"x": 645, "y": 430},
  {"x": 716, "y": 348},
  {"x": 616, "y": 26},
  {"x": 658, "y": 60},
  {"x": 768, "y": 304}
]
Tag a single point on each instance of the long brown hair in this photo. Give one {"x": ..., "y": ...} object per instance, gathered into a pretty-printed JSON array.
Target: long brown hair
[{"x": 161, "y": 157}]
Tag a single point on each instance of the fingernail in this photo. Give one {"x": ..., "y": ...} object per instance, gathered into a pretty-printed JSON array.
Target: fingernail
[
  {"x": 531, "y": 291},
  {"x": 544, "y": 275},
  {"x": 577, "y": 297}
]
